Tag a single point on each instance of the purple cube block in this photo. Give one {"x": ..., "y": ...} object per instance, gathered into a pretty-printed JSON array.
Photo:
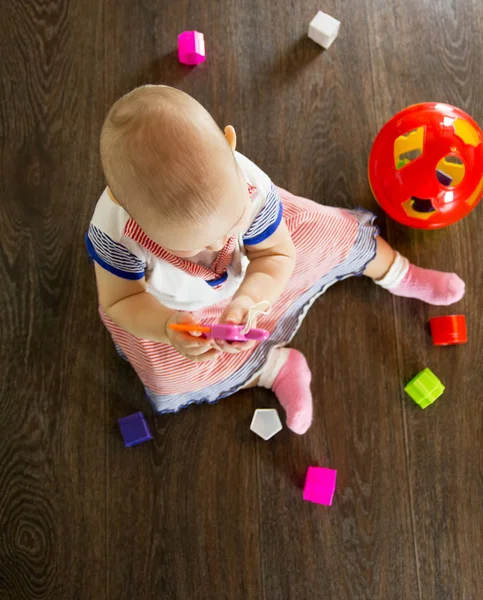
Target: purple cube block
[
  {"x": 320, "y": 485},
  {"x": 134, "y": 429}
]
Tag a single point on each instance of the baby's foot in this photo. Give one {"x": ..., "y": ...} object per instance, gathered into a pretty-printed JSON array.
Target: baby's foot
[
  {"x": 292, "y": 388},
  {"x": 433, "y": 287}
]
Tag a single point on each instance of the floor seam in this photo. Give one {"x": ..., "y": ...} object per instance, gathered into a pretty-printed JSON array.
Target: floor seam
[
  {"x": 406, "y": 447},
  {"x": 398, "y": 353},
  {"x": 260, "y": 528}
]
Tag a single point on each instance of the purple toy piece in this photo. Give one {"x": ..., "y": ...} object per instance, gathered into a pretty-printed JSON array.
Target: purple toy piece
[
  {"x": 134, "y": 429},
  {"x": 234, "y": 333},
  {"x": 320, "y": 485},
  {"x": 191, "y": 48}
]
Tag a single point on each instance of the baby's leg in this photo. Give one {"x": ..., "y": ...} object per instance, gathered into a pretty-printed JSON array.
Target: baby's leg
[
  {"x": 287, "y": 374},
  {"x": 395, "y": 273}
]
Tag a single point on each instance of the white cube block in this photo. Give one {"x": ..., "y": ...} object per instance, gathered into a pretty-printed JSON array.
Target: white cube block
[
  {"x": 266, "y": 423},
  {"x": 323, "y": 29}
]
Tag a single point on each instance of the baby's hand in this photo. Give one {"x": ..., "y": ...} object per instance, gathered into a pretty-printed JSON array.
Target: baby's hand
[
  {"x": 189, "y": 345},
  {"x": 236, "y": 313}
]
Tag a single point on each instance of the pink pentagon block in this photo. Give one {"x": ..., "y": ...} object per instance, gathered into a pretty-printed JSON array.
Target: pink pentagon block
[
  {"x": 320, "y": 485},
  {"x": 191, "y": 48}
]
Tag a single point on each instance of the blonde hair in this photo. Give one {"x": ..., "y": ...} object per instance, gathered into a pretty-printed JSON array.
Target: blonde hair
[{"x": 160, "y": 151}]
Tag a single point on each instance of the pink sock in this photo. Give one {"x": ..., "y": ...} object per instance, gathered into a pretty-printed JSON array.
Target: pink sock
[
  {"x": 433, "y": 287},
  {"x": 288, "y": 375}
]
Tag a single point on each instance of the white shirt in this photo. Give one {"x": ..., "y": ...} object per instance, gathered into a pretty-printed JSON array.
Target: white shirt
[{"x": 117, "y": 244}]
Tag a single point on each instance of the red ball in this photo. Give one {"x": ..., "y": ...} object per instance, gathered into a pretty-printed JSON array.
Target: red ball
[
  {"x": 426, "y": 165},
  {"x": 448, "y": 330}
]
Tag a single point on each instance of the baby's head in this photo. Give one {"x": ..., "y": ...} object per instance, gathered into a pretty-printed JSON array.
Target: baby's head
[{"x": 171, "y": 168}]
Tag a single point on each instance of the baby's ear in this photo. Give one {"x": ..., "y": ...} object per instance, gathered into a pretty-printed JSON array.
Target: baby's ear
[{"x": 230, "y": 135}]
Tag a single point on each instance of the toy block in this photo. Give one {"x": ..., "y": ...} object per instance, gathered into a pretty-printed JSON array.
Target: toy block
[
  {"x": 266, "y": 423},
  {"x": 425, "y": 388},
  {"x": 191, "y": 48},
  {"x": 323, "y": 29},
  {"x": 449, "y": 330},
  {"x": 320, "y": 485},
  {"x": 134, "y": 429}
]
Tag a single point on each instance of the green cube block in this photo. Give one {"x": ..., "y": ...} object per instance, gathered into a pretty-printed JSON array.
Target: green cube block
[{"x": 425, "y": 388}]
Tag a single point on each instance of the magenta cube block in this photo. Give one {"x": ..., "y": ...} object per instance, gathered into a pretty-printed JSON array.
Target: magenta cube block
[
  {"x": 191, "y": 48},
  {"x": 134, "y": 429},
  {"x": 320, "y": 485}
]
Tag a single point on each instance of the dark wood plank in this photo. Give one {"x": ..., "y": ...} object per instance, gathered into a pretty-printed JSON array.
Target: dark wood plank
[
  {"x": 433, "y": 56},
  {"x": 361, "y": 547},
  {"x": 183, "y": 514},
  {"x": 52, "y": 423},
  {"x": 352, "y": 550}
]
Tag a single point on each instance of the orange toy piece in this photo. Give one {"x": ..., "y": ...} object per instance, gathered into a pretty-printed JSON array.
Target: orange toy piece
[
  {"x": 187, "y": 328},
  {"x": 426, "y": 165}
]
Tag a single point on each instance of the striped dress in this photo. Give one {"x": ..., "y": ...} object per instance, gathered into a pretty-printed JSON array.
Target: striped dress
[{"x": 331, "y": 244}]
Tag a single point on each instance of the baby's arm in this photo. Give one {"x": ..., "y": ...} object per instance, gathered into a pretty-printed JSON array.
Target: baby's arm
[
  {"x": 131, "y": 307},
  {"x": 271, "y": 265}
]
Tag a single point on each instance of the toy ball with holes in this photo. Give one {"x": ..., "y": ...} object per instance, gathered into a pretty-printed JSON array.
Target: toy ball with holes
[{"x": 426, "y": 166}]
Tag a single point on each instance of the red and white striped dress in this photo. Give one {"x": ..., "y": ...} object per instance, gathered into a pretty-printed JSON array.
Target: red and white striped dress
[{"x": 331, "y": 244}]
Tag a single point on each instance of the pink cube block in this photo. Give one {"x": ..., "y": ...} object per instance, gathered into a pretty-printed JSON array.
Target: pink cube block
[
  {"x": 191, "y": 48},
  {"x": 320, "y": 485}
]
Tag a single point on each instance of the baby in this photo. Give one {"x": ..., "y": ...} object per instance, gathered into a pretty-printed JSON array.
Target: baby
[{"x": 189, "y": 230}]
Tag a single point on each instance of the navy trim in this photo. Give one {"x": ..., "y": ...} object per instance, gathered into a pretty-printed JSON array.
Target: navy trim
[
  {"x": 258, "y": 239},
  {"x": 94, "y": 256},
  {"x": 114, "y": 253},
  {"x": 220, "y": 280}
]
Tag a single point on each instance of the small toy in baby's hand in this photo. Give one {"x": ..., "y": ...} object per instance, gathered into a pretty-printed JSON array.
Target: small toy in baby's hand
[
  {"x": 229, "y": 332},
  {"x": 223, "y": 331}
]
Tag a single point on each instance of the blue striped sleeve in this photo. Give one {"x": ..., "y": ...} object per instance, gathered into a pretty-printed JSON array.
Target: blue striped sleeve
[
  {"x": 267, "y": 220},
  {"x": 112, "y": 256}
]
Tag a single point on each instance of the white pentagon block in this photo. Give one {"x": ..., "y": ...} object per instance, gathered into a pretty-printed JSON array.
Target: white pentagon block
[
  {"x": 323, "y": 29},
  {"x": 266, "y": 423}
]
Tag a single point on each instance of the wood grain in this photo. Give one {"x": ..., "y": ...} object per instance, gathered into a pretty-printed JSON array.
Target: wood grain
[
  {"x": 443, "y": 446},
  {"x": 206, "y": 510}
]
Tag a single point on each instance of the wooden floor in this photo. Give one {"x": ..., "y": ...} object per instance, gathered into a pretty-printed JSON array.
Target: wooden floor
[{"x": 207, "y": 511}]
